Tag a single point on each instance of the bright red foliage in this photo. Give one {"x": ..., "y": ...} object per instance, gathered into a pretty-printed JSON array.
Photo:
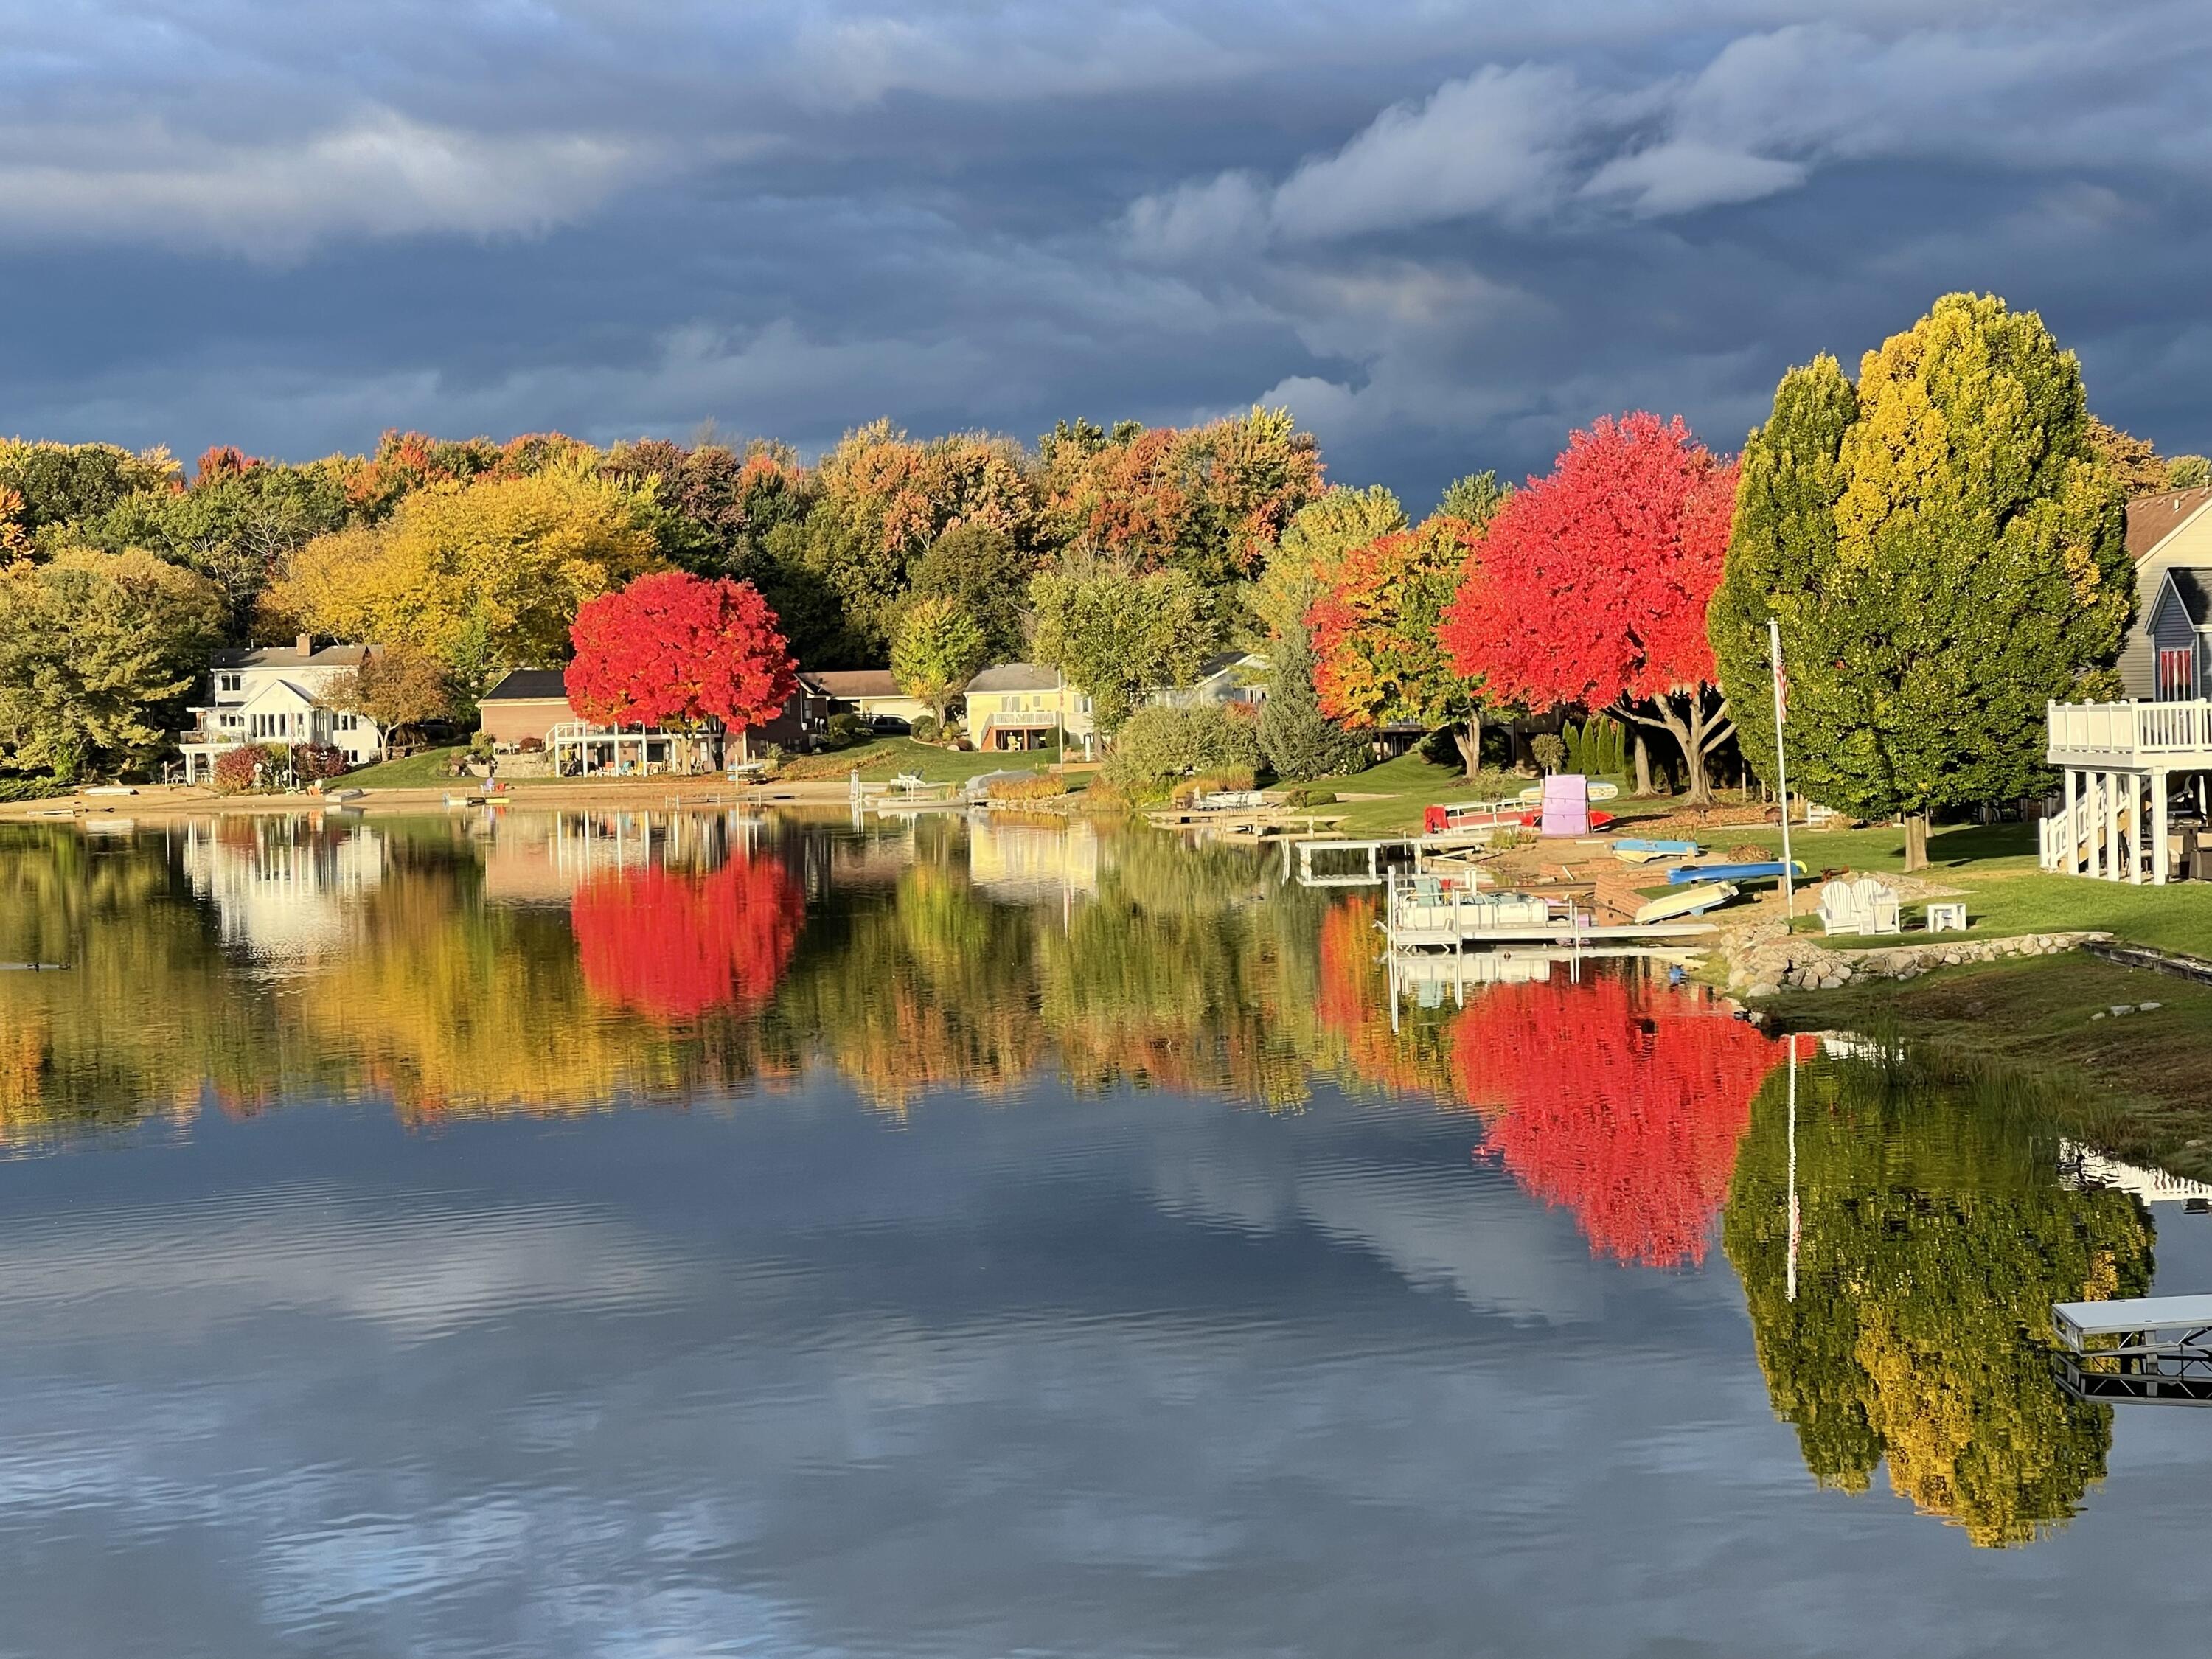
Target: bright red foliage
[
  {"x": 1620, "y": 1101},
  {"x": 676, "y": 649},
  {"x": 674, "y": 946},
  {"x": 1596, "y": 579}
]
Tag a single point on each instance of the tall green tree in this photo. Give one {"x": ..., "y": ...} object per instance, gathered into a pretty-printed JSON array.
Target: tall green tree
[
  {"x": 1944, "y": 546},
  {"x": 1116, "y": 635},
  {"x": 97, "y": 651},
  {"x": 938, "y": 649}
]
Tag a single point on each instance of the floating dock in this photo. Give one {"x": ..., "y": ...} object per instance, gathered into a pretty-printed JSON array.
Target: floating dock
[{"x": 2154, "y": 1349}]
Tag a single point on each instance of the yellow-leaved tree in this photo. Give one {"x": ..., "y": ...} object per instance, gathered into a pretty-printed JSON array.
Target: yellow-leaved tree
[{"x": 485, "y": 576}]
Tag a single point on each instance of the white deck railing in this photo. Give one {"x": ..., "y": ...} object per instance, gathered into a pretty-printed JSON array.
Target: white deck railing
[{"x": 2131, "y": 734}]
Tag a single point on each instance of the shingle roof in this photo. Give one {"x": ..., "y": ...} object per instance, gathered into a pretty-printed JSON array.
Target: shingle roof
[
  {"x": 287, "y": 656},
  {"x": 2152, "y": 518},
  {"x": 2192, "y": 586},
  {"x": 530, "y": 685},
  {"x": 851, "y": 682},
  {"x": 1015, "y": 677}
]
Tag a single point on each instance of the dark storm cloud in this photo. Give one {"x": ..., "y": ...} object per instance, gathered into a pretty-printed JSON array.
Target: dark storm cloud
[{"x": 1441, "y": 235}]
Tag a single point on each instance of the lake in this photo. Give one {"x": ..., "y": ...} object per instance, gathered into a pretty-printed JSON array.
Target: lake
[{"x": 656, "y": 1234}]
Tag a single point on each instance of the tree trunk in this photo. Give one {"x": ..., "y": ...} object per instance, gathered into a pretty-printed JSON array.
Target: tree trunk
[
  {"x": 1642, "y": 766},
  {"x": 1916, "y": 841},
  {"x": 1470, "y": 743}
]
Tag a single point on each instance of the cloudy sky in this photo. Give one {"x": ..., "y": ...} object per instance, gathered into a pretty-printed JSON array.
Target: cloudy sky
[{"x": 1441, "y": 233}]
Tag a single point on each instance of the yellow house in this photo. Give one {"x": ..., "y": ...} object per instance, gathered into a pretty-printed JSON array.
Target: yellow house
[{"x": 1021, "y": 705}]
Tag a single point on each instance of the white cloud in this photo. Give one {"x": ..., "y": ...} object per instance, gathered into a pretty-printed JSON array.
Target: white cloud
[{"x": 379, "y": 175}]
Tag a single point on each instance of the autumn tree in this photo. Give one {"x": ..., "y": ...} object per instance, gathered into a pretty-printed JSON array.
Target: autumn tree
[
  {"x": 1595, "y": 581},
  {"x": 97, "y": 651},
  {"x": 938, "y": 649},
  {"x": 1116, "y": 635},
  {"x": 1208, "y": 500},
  {"x": 674, "y": 649},
  {"x": 1375, "y": 634},
  {"x": 1944, "y": 546},
  {"x": 1303, "y": 564},
  {"x": 398, "y": 688},
  {"x": 486, "y": 577}
]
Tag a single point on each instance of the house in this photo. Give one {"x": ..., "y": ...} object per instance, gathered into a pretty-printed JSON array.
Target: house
[
  {"x": 1023, "y": 706},
  {"x": 271, "y": 695},
  {"x": 2136, "y": 775},
  {"x": 1226, "y": 677},
  {"x": 2165, "y": 532},
  {"x": 870, "y": 693},
  {"x": 530, "y": 709}
]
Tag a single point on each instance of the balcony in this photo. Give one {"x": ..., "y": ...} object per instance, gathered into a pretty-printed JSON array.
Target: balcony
[{"x": 2132, "y": 737}]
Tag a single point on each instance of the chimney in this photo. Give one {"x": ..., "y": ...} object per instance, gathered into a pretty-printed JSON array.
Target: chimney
[{"x": 307, "y": 645}]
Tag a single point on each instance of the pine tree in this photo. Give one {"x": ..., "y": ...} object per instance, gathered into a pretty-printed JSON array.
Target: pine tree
[{"x": 1943, "y": 548}]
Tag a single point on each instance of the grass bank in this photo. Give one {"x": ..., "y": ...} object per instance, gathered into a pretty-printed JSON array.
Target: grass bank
[{"x": 2135, "y": 1083}]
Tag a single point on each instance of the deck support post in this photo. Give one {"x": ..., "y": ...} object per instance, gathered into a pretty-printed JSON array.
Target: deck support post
[{"x": 2158, "y": 812}]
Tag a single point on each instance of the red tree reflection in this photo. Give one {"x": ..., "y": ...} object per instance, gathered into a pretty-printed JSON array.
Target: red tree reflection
[
  {"x": 1621, "y": 1101},
  {"x": 672, "y": 946}
]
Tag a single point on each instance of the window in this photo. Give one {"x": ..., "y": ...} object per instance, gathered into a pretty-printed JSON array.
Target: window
[{"x": 2177, "y": 673}]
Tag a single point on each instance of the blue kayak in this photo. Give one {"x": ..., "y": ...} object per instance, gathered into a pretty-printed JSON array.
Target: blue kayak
[{"x": 1774, "y": 871}]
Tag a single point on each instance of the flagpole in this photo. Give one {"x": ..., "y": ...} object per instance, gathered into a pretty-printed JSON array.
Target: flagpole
[{"x": 1782, "y": 772}]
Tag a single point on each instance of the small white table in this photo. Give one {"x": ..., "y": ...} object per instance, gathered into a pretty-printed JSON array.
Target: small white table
[{"x": 1947, "y": 916}]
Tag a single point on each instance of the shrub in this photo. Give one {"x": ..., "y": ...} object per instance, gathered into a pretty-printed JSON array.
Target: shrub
[
  {"x": 314, "y": 761},
  {"x": 924, "y": 729},
  {"x": 1551, "y": 751},
  {"x": 237, "y": 771},
  {"x": 1038, "y": 786},
  {"x": 1155, "y": 743}
]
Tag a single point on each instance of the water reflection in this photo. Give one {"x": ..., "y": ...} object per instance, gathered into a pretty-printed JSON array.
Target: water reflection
[{"x": 552, "y": 965}]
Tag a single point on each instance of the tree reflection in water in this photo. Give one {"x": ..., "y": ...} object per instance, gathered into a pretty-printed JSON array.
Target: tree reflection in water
[
  {"x": 673, "y": 945},
  {"x": 1934, "y": 1237},
  {"x": 1620, "y": 1101}
]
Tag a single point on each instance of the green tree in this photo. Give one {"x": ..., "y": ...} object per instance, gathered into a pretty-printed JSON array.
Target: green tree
[
  {"x": 1297, "y": 739},
  {"x": 1474, "y": 500},
  {"x": 97, "y": 651},
  {"x": 938, "y": 649},
  {"x": 985, "y": 572},
  {"x": 1943, "y": 548},
  {"x": 1931, "y": 1238},
  {"x": 1116, "y": 635},
  {"x": 1304, "y": 563}
]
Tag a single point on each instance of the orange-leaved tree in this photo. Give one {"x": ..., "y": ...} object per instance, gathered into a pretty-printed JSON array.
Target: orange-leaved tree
[
  {"x": 676, "y": 650},
  {"x": 1595, "y": 580},
  {"x": 1374, "y": 633}
]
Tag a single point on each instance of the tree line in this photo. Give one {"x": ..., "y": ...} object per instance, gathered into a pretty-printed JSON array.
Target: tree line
[{"x": 1941, "y": 540}]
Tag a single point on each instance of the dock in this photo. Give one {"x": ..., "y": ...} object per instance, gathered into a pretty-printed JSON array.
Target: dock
[{"x": 2153, "y": 1349}]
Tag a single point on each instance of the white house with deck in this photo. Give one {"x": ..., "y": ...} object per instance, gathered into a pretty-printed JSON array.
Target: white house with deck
[
  {"x": 2136, "y": 774},
  {"x": 269, "y": 694}
]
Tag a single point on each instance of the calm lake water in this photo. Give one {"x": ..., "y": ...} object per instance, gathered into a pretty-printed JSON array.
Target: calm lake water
[{"x": 660, "y": 1235}]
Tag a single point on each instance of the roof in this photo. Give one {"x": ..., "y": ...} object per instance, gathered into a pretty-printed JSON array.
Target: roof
[
  {"x": 848, "y": 684},
  {"x": 530, "y": 685},
  {"x": 2152, "y": 518},
  {"x": 2192, "y": 586},
  {"x": 290, "y": 656},
  {"x": 1015, "y": 677}
]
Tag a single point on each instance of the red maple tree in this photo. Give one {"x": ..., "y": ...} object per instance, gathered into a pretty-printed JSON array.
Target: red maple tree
[
  {"x": 1623, "y": 1102},
  {"x": 674, "y": 649},
  {"x": 672, "y": 946},
  {"x": 1595, "y": 582}
]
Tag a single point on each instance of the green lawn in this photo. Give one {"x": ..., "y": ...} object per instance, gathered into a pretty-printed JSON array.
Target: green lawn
[
  {"x": 428, "y": 771},
  {"x": 887, "y": 757}
]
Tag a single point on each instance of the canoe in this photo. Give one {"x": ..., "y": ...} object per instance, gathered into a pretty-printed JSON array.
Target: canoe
[
  {"x": 1634, "y": 851},
  {"x": 1689, "y": 902},
  {"x": 1774, "y": 871}
]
